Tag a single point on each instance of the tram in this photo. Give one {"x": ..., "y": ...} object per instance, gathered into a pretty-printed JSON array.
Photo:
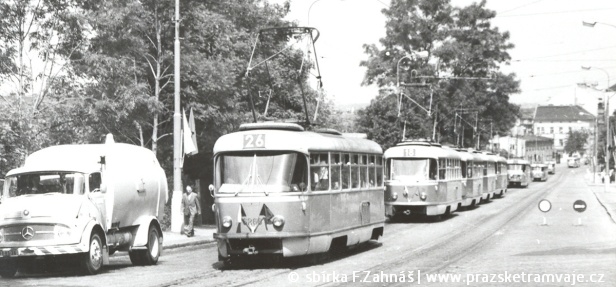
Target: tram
[
  {"x": 472, "y": 178},
  {"x": 283, "y": 191},
  {"x": 422, "y": 178},
  {"x": 539, "y": 171},
  {"x": 518, "y": 171},
  {"x": 487, "y": 163},
  {"x": 502, "y": 180}
]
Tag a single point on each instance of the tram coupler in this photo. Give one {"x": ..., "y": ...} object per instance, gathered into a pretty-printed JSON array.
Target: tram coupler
[{"x": 250, "y": 250}]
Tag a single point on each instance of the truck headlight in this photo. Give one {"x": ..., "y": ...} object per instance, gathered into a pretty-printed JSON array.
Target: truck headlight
[
  {"x": 278, "y": 221},
  {"x": 227, "y": 221},
  {"x": 61, "y": 232}
]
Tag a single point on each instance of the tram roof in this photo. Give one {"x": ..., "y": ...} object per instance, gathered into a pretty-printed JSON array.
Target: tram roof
[
  {"x": 292, "y": 137},
  {"x": 421, "y": 150}
]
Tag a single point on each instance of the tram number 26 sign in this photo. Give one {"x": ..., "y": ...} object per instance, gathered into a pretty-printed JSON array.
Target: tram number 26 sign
[{"x": 254, "y": 141}]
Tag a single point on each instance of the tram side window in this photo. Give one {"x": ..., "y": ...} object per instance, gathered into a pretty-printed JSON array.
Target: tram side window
[
  {"x": 346, "y": 171},
  {"x": 470, "y": 169},
  {"x": 363, "y": 171},
  {"x": 354, "y": 171},
  {"x": 379, "y": 171},
  {"x": 336, "y": 167},
  {"x": 485, "y": 168},
  {"x": 464, "y": 171},
  {"x": 442, "y": 168},
  {"x": 319, "y": 169}
]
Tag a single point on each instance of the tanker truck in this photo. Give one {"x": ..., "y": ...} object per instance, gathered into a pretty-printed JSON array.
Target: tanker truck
[{"x": 82, "y": 203}]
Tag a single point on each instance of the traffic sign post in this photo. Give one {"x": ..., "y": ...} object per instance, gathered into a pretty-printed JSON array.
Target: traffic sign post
[
  {"x": 544, "y": 206},
  {"x": 579, "y": 206}
]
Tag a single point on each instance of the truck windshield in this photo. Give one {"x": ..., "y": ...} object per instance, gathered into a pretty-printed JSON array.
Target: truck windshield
[
  {"x": 44, "y": 182},
  {"x": 413, "y": 169},
  {"x": 262, "y": 172}
]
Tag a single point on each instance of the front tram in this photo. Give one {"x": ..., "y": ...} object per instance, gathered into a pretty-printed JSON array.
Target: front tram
[
  {"x": 422, "y": 178},
  {"x": 518, "y": 171},
  {"x": 279, "y": 190}
]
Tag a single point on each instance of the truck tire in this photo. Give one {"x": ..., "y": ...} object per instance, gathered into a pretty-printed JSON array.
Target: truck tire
[
  {"x": 152, "y": 253},
  {"x": 92, "y": 261},
  {"x": 8, "y": 268}
]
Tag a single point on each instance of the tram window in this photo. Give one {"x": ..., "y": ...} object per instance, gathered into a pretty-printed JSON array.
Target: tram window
[
  {"x": 442, "y": 168},
  {"x": 299, "y": 172},
  {"x": 363, "y": 174},
  {"x": 346, "y": 171},
  {"x": 379, "y": 171},
  {"x": 319, "y": 168},
  {"x": 464, "y": 172},
  {"x": 354, "y": 171},
  {"x": 336, "y": 167}
]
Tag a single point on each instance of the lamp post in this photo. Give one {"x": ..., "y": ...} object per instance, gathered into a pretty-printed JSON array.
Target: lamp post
[{"x": 607, "y": 126}]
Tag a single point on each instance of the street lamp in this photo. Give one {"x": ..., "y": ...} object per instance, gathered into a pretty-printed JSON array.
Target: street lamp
[{"x": 607, "y": 123}]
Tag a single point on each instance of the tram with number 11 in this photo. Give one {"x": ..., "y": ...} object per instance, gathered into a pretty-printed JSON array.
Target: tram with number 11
[{"x": 422, "y": 178}]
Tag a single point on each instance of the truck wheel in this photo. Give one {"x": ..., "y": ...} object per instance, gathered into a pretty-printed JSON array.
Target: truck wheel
[
  {"x": 151, "y": 255},
  {"x": 92, "y": 261},
  {"x": 8, "y": 268}
]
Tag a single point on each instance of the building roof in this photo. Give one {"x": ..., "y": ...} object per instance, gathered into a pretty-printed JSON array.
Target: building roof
[{"x": 562, "y": 114}]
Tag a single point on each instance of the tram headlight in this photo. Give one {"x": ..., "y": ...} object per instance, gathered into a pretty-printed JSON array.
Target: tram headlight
[
  {"x": 278, "y": 221},
  {"x": 423, "y": 196},
  {"x": 227, "y": 221},
  {"x": 394, "y": 196}
]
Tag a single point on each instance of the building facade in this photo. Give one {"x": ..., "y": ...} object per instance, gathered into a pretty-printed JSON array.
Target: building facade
[
  {"x": 535, "y": 149},
  {"x": 556, "y": 122}
]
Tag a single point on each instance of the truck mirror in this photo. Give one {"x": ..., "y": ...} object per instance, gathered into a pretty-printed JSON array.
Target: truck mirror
[{"x": 211, "y": 188}]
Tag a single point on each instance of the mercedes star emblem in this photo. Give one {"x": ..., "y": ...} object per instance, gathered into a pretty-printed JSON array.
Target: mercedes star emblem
[{"x": 27, "y": 233}]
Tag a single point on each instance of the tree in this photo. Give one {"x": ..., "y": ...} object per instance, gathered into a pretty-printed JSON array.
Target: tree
[
  {"x": 576, "y": 141},
  {"x": 461, "y": 71}
]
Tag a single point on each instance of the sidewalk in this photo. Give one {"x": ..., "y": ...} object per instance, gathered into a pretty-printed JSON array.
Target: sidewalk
[
  {"x": 203, "y": 234},
  {"x": 606, "y": 198}
]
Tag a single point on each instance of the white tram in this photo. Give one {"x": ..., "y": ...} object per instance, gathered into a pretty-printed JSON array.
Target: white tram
[
  {"x": 518, "y": 171},
  {"x": 488, "y": 167},
  {"x": 280, "y": 190},
  {"x": 422, "y": 178}
]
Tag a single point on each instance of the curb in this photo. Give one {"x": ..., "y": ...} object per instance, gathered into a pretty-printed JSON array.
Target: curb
[{"x": 185, "y": 244}]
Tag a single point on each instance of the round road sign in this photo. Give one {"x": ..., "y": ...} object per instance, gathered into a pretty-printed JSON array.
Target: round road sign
[
  {"x": 579, "y": 205},
  {"x": 544, "y": 205}
]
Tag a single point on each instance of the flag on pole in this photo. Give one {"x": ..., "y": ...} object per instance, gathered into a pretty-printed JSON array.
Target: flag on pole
[
  {"x": 191, "y": 124},
  {"x": 188, "y": 145}
]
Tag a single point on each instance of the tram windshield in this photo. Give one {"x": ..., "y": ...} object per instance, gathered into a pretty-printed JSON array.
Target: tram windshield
[
  {"x": 521, "y": 167},
  {"x": 248, "y": 172},
  {"x": 44, "y": 182},
  {"x": 417, "y": 169}
]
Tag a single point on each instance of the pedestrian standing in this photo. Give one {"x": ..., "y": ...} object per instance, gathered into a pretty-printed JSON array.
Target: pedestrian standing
[{"x": 191, "y": 208}]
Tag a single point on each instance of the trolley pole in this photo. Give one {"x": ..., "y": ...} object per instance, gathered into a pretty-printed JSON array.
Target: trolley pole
[{"x": 176, "y": 214}]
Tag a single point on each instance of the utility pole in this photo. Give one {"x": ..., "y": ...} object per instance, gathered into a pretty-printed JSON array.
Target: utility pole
[{"x": 176, "y": 214}]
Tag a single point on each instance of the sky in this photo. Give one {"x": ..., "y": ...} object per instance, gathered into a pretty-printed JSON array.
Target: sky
[{"x": 551, "y": 46}]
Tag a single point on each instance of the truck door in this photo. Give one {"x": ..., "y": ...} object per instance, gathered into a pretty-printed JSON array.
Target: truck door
[{"x": 97, "y": 197}]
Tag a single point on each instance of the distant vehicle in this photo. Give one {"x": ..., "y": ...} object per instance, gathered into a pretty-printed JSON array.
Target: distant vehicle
[
  {"x": 551, "y": 167},
  {"x": 83, "y": 202},
  {"x": 573, "y": 162},
  {"x": 518, "y": 171},
  {"x": 539, "y": 171}
]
